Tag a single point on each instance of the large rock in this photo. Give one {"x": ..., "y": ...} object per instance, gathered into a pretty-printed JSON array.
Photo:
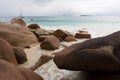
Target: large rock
[
  {"x": 42, "y": 60},
  {"x": 93, "y": 75},
  {"x": 98, "y": 54},
  {"x": 50, "y": 43},
  {"x": 60, "y": 34},
  {"x": 29, "y": 74},
  {"x": 9, "y": 71},
  {"x": 82, "y": 35},
  {"x": 6, "y": 52},
  {"x": 40, "y": 32},
  {"x": 41, "y": 38},
  {"x": 20, "y": 55},
  {"x": 16, "y": 35},
  {"x": 69, "y": 39},
  {"x": 18, "y": 21},
  {"x": 33, "y": 26}
]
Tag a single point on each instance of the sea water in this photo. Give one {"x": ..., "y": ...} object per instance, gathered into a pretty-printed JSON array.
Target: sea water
[{"x": 96, "y": 25}]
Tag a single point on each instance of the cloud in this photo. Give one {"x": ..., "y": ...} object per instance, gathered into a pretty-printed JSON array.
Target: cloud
[{"x": 59, "y": 7}]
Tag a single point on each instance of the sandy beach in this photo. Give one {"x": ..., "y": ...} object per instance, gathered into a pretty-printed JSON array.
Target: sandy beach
[
  {"x": 59, "y": 40},
  {"x": 48, "y": 69}
]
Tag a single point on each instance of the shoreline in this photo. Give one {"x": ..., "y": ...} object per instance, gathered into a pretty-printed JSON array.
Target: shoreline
[
  {"x": 49, "y": 69},
  {"x": 35, "y": 52}
]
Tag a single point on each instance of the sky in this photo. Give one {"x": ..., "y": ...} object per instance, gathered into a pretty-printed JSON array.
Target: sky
[{"x": 59, "y": 7}]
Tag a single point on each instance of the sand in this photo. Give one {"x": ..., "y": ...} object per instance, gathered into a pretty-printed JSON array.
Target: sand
[{"x": 49, "y": 70}]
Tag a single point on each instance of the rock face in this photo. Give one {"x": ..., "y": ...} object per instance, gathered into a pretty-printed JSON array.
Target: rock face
[
  {"x": 69, "y": 39},
  {"x": 9, "y": 71},
  {"x": 18, "y": 21},
  {"x": 6, "y": 52},
  {"x": 16, "y": 35},
  {"x": 29, "y": 74},
  {"x": 40, "y": 32},
  {"x": 82, "y": 35},
  {"x": 20, "y": 55},
  {"x": 33, "y": 26},
  {"x": 93, "y": 75},
  {"x": 41, "y": 38},
  {"x": 60, "y": 34},
  {"x": 50, "y": 43},
  {"x": 42, "y": 60},
  {"x": 98, "y": 54}
]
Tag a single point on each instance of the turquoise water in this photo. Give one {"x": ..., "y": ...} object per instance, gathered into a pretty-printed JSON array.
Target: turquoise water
[
  {"x": 67, "y": 20},
  {"x": 96, "y": 25}
]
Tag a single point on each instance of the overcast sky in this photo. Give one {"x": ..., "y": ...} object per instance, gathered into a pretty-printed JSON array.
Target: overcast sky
[{"x": 59, "y": 7}]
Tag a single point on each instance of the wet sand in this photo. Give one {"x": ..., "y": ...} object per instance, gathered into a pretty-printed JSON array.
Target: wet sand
[{"x": 49, "y": 70}]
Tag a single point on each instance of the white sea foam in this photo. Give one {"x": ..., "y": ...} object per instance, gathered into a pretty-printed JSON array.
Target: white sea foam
[{"x": 96, "y": 30}]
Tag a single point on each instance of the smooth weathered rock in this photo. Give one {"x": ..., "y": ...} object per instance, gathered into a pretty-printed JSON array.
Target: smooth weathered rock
[
  {"x": 20, "y": 55},
  {"x": 42, "y": 60},
  {"x": 83, "y": 31},
  {"x": 29, "y": 74},
  {"x": 40, "y": 32},
  {"x": 69, "y": 33},
  {"x": 69, "y": 39},
  {"x": 60, "y": 34},
  {"x": 82, "y": 35},
  {"x": 65, "y": 79},
  {"x": 9, "y": 71},
  {"x": 33, "y": 26},
  {"x": 6, "y": 52},
  {"x": 50, "y": 43},
  {"x": 93, "y": 75},
  {"x": 98, "y": 75},
  {"x": 41, "y": 38},
  {"x": 98, "y": 54},
  {"x": 18, "y": 21},
  {"x": 16, "y": 35},
  {"x": 51, "y": 32}
]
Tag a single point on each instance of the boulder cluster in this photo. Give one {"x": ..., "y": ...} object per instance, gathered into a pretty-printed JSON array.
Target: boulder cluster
[
  {"x": 10, "y": 57},
  {"x": 97, "y": 54},
  {"x": 17, "y": 35},
  {"x": 14, "y": 37},
  {"x": 100, "y": 54},
  {"x": 50, "y": 39}
]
